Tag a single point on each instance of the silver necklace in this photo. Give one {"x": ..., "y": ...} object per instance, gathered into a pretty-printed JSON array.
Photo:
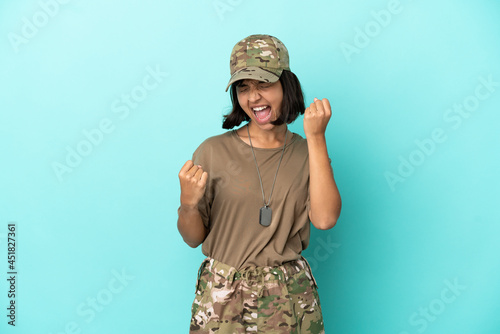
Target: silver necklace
[{"x": 266, "y": 212}]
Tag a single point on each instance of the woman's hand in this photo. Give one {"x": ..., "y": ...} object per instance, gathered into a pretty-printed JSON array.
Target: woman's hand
[
  {"x": 190, "y": 224},
  {"x": 193, "y": 183},
  {"x": 316, "y": 118}
]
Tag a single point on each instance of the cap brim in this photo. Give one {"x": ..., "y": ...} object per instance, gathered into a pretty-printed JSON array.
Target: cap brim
[{"x": 255, "y": 73}]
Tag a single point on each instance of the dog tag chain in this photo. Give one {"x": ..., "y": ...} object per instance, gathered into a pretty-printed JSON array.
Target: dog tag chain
[{"x": 265, "y": 214}]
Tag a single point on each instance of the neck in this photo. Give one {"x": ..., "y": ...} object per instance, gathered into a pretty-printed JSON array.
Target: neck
[{"x": 261, "y": 138}]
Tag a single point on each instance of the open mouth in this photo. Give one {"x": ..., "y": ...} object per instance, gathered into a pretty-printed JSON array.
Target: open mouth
[{"x": 262, "y": 113}]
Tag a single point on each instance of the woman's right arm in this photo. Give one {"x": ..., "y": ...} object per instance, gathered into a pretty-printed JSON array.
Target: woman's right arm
[{"x": 193, "y": 183}]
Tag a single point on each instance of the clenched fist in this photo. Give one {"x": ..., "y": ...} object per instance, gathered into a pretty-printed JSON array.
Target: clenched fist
[
  {"x": 193, "y": 183},
  {"x": 316, "y": 118}
]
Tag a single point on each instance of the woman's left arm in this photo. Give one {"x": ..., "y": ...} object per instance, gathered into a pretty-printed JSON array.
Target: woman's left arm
[{"x": 325, "y": 201}]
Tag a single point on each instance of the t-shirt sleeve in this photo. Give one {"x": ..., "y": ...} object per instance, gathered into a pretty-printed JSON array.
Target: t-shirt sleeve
[{"x": 202, "y": 157}]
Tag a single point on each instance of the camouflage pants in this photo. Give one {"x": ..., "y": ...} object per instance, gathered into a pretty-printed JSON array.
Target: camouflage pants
[{"x": 281, "y": 299}]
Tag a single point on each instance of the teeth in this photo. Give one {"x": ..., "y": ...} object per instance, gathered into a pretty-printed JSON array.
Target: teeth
[{"x": 259, "y": 108}]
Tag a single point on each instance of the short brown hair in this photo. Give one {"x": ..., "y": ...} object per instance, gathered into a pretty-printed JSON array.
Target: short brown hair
[{"x": 291, "y": 107}]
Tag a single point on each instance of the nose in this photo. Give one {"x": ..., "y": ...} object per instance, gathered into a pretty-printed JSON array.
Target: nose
[{"x": 254, "y": 95}]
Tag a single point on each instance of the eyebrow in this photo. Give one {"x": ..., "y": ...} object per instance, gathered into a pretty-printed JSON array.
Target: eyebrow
[{"x": 258, "y": 83}]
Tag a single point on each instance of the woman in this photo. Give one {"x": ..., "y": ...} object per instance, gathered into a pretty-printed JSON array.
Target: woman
[{"x": 249, "y": 196}]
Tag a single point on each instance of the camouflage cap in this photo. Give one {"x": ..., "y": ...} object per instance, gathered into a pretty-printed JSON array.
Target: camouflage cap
[{"x": 259, "y": 57}]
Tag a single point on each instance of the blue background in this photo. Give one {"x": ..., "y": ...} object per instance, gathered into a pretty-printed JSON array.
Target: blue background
[{"x": 98, "y": 249}]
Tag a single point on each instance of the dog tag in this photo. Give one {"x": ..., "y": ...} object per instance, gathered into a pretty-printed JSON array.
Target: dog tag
[{"x": 265, "y": 216}]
